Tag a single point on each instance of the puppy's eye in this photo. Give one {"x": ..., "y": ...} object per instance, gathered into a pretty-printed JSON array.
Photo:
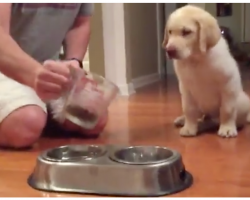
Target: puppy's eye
[
  {"x": 186, "y": 32},
  {"x": 169, "y": 32}
]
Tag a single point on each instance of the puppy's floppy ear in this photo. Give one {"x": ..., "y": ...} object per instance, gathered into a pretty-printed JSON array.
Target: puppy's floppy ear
[
  {"x": 209, "y": 32},
  {"x": 165, "y": 40}
]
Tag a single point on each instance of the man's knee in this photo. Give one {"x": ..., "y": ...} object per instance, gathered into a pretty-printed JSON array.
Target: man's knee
[{"x": 22, "y": 127}]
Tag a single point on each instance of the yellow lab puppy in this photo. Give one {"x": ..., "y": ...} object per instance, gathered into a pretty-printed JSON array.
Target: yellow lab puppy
[{"x": 209, "y": 79}]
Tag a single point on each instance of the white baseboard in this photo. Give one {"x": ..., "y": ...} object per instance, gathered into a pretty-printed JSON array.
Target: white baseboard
[
  {"x": 145, "y": 80},
  {"x": 129, "y": 89},
  {"x": 126, "y": 89}
]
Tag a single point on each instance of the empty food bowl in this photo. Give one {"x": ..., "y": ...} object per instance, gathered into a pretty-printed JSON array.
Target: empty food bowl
[
  {"x": 111, "y": 170},
  {"x": 69, "y": 153},
  {"x": 141, "y": 155}
]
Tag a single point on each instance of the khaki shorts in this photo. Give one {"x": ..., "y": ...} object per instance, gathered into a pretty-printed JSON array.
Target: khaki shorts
[{"x": 14, "y": 95}]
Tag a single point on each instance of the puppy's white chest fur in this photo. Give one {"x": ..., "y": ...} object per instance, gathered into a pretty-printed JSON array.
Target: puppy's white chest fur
[
  {"x": 202, "y": 86},
  {"x": 207, "y": 77}
]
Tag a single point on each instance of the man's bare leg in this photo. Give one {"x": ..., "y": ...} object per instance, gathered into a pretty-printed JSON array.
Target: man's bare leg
[{"x": 22, "y": 127}]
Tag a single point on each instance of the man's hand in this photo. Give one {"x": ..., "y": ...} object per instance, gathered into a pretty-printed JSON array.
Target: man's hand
[{"x": 51, "y": 80}]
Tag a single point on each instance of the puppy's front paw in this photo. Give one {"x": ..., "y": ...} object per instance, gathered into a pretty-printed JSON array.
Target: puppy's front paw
[
  {"x": 179, "y": 121},
  {"x": 188, "y": 131},
  {"x": 227, "y": 131}
]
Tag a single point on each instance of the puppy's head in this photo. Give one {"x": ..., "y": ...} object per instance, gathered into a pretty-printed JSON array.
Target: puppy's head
[{"x": 189, "y": 31}]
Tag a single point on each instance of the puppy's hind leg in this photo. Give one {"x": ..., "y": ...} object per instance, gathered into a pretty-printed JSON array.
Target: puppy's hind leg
[
  {"x": 228, "y": 116},
  {"x": 243, "y": 110}
]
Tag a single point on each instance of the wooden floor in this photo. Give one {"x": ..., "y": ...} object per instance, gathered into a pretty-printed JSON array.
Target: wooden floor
[{"x": 220, "y": 166}]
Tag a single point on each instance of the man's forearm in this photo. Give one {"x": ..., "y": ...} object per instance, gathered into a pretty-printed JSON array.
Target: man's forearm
[
  {"x": 14, "y": 62},
  {"x": 77, "y": 39},
  {"x": 5, "y": 12}
]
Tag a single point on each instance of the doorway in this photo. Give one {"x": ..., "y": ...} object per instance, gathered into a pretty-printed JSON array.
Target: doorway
[{"x": 165, "y": 66}]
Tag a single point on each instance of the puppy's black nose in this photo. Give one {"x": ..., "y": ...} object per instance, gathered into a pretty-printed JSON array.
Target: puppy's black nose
[{"x": 172, "y": 53}]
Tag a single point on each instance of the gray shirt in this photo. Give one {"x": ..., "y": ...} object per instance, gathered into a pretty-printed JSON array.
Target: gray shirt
[{"x": 40, "y": 28}]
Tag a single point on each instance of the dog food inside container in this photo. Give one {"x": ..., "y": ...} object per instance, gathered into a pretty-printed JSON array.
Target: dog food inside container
[
  {"x": 81, "y": 116},
  {"x": 88, "y": 99}
]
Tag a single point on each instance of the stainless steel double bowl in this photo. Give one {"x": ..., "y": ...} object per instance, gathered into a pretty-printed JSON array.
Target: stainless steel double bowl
[{"x": 111, "y": 170}]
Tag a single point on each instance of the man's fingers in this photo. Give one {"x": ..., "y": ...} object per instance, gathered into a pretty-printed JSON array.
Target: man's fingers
[
  {"x": 52, "y": 77},
  {"x": 57, "y": 67},
  {"x": 75, "y": 65},
  {"x": 55, "y": 78},
  {"x": 50, "y": 87},
  {"x": 45, "y": 95}
]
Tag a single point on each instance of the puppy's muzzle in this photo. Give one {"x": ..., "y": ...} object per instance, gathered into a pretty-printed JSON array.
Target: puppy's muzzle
[{"x": 172, "y": 52}]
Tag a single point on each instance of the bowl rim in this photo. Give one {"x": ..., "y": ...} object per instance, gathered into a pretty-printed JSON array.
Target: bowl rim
[
  {"x": 113, "y": 156},
  {"x": 45, "y": 156}
]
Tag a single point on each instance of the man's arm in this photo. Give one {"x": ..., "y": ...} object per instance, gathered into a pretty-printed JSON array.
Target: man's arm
[
  {"x": 14, "y": 62},
  {"x": 77, "y": 39},
  {"x": 5, "y": 12}
]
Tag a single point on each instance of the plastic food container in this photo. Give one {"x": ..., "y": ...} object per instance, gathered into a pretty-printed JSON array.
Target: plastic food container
[{"x": 88, "y": 97}]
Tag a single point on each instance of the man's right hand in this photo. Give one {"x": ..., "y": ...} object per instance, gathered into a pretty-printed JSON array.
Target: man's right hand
[{"x": 51, "y": 80}]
